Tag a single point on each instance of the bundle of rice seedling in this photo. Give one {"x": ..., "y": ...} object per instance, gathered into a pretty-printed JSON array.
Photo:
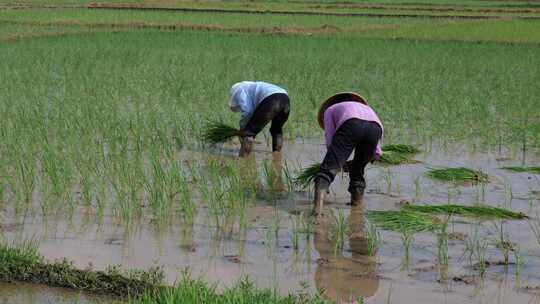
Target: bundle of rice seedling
[
  {"x": 307, "y": 176},
  {"x": 486, "y": 212},
  {"x": 400, "y": 148},
  {"x": 403, "y": 221},
  {"x": 535, "y": 170},
  {"x": 395, "y": 158},
  {"x": 458, "y": 175},
  {"x": 218, "y": 132}
]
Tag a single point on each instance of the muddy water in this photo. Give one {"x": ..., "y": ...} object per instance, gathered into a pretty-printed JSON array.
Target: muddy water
[{"x": 267, "y": 255}]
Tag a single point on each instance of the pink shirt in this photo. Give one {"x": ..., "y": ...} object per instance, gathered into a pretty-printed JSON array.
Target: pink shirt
[{"x": 339, "y": 113}]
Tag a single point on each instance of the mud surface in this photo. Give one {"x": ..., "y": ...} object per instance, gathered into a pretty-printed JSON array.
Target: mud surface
[
  {"x": 265, "y": 251},
  {"x": 38, "y": 294}
]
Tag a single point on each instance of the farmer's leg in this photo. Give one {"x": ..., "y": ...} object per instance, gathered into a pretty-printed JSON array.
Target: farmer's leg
[
  {"x": 265, "y": 112},
  {"x": 369, "y": 134},
  {"x": 338, "y": 152},
  {"x": 282, "y": 107}
]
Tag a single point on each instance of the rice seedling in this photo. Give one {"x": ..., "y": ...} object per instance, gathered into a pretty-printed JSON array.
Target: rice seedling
[
  {"x": 339, "y": 228},
  {"x": 403, "y": 221},
  {"x": 503, "y": 243},
  {"x": 217, "y": 132},
  {"x": 417, "y": 188},
  {"x": 476, "y": 249},
  {"x": 374, "y": 239},
  {"x": 458, "y": 175},
  {"x": 289, "y": 180},
  {"x": 388, "y": 178},
  {"x": 307, "y": 176},
  {"x": 395, "y": 158},
  {"x": 533, "y": 169},
  {"x": 483, "y": 212},
  {"x": 401, "y": 148},
  {"x": 442, "y": 242},
  {"x": 407, "y": 237},
  {"x": 534, "y": 224}
]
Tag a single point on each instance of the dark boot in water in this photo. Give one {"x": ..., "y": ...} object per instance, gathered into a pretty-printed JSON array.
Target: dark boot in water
[
  {"x": 277, "y": 142},
  {"x": 357, "y": 194},
  {"x": 321, "y": 188},
  {"x": 246, "y": 145}
]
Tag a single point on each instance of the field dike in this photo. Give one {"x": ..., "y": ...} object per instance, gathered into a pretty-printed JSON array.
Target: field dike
[
  {"x": 23, "y": 263},
  {"x": 305, "y": 13}
]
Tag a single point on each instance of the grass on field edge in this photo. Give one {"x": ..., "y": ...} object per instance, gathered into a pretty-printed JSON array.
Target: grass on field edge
[{"x": 22, "y": 262}]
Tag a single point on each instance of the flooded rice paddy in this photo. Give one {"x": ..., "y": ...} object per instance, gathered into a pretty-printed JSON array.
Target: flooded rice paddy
[{"x": 281, "y": 249}]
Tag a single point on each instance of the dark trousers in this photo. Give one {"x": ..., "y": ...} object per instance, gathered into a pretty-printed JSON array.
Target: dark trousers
[
  {"x": 273, "y": 108},
  {"x": 354, "y": 134}
]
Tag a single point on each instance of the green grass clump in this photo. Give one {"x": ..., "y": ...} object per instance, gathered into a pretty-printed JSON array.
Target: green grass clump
[
  {"x": 190, "y": 290},
  {"x": 218, "y": 132},
  {"x": 24, "y": 263},
  {"x": 458, "y": 175},
  {"x": 468, "y": 211},
  {"x": 307, "y": 175},
  {"x": 535, "y": 170},
  {"x": 401, "y": 148},
  {"x": 403, "y": 221}
]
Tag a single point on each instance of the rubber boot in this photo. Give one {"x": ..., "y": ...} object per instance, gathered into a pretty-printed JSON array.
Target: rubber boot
[
  {"x": 357, "y": 193},
  {"x": 277, "y": 142},
  {"x": 321, "y": 188},
  {"x": 246, "y": 145}
]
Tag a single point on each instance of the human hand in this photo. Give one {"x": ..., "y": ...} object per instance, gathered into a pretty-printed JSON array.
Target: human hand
[{"x": 347, "y": 166}]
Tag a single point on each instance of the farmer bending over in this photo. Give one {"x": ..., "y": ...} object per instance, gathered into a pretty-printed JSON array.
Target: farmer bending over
[
  {"x": 259, "y": 103},
  {"x": 349, "y": 124}
]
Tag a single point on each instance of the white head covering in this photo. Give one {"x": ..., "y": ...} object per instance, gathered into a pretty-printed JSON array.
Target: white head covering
[{"x": 238, "y": 95}]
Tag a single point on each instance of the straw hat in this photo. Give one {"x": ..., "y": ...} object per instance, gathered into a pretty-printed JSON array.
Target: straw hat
[{"x": 337, "y": 98}]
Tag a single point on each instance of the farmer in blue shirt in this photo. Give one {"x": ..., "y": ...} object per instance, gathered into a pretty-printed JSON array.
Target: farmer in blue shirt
[{"x": 259, "y": 103}]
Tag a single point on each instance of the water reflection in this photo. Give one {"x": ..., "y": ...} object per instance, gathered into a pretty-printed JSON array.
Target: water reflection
[{"x": 345, "y": 279}]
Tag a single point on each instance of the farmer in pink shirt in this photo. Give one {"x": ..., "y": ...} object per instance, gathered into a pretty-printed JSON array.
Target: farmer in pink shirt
[{"x": 349, "y": 124}]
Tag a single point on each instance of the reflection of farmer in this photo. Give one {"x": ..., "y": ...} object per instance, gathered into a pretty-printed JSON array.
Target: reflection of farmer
[
  {"x": 345, "y": 279},
  {"x": 259, "y": 103},
  {"x": 349, "y": 124}
]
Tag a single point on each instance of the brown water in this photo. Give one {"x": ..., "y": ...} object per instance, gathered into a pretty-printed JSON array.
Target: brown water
[{"x": 268, "y": 257}]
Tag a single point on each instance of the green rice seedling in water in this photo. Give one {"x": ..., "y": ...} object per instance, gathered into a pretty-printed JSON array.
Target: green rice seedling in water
[
  {"x": 218, "y": 132},
  {"x": 407, "y": 237},
  {"x": 509, "y": 194},
  {"x": 289, "y": 180},
  {"x": 394, "y": 158},
  {"x": 373, "y": 239},
  {"x": 296, "y": 230},
  {"x": 476, "y": 248},
  {"x": 388, "y": 178},
  {"x": 503, "y": 243},
  {"x": 534, "y": 170},
  {"x": 339, "y": 228},
  {"x": 26, "y": 169},
  {"x": 534, "y": 224},
  {"x": 458, "y": 175},
  {"x": 401, "y": 148},
  {"x": 403, "y": 221},
  {"x": 442, "y": 242},
  {"x": 417, "y": 188},
  {"x": 483, "y": 212}
]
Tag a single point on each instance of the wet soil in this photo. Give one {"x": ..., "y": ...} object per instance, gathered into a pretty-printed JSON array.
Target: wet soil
[
  {"x": 39, "y": 294},
  {"x": 267, "y": 255}
]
